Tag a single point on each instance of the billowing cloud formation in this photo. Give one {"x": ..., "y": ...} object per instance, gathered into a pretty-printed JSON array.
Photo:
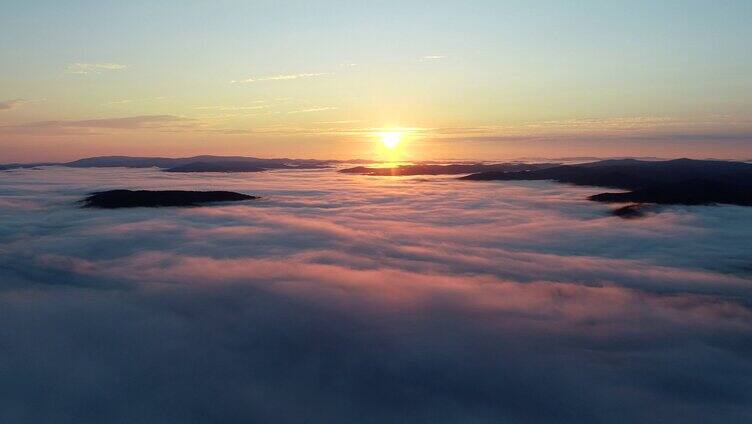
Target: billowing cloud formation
[
  {"x": 10, "y": 104},
  {"x": 93, "y": 68},
  {"x": 338, "y": 298}
]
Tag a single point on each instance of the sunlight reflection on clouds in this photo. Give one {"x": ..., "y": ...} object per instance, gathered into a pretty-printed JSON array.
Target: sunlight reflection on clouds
[{"x": 338, "y": 295}]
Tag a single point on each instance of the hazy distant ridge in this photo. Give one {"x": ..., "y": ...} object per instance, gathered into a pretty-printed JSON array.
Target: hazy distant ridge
[{"x": 191, "y": 164}]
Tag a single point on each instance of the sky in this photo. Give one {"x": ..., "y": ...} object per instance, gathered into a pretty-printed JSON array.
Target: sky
[
  {"x": 458, "y": 80},
  {"x": 342, "y": 298}
]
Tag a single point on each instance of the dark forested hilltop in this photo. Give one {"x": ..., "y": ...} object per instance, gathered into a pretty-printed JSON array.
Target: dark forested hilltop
[
  {"x": 115, "y": 199},
  {"x": 679, "y": 181}
]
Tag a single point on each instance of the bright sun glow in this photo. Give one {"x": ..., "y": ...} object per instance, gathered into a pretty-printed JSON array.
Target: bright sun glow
[{"x": 390, "y": 140}]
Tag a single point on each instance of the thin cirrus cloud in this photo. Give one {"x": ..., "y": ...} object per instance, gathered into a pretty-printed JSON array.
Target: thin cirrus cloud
[
  {"x": 90, "y": 126},
  {"x": 232, "y": 108},
  {"x": 93, "y": 68},
  {"x": 283, "y": 77},
  {"x": 432, "y": 57},
  {"x": 313, "y": 109},
  {"x": 129, "y": 101},
  {"x": 11, "y": 104},
  {"x": 631, "y": 128}
]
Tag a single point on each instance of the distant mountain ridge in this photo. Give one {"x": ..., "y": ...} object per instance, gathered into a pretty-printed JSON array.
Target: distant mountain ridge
[
  {"x": 8, "y": 166},
  {"x": 204, "y": 163},
  {"x": 451, "y": 169}
]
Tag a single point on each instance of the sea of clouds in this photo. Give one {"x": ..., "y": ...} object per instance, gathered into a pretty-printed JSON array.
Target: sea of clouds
[{"x": 342, "y": 298}]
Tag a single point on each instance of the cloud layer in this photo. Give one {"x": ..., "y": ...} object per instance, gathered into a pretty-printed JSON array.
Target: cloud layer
[{"x": 340, "y": 298}]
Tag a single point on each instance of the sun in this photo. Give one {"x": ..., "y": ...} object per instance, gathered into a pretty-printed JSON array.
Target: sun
[{"x": 390, "y": 140}]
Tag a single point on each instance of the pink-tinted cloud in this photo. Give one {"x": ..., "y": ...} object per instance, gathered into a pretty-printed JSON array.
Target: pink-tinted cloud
[
  {"x": 519, "y": 302},
  {"x": 10, "y": 104}
]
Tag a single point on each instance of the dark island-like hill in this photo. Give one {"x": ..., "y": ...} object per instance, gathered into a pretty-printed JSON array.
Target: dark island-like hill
[
  {"x": 450, "y": 169},
  {"x": 679, "y": 181},
  {"x": 114, "y": 199}
]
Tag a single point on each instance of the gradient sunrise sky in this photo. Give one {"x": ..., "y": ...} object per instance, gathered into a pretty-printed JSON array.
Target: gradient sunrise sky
[{"x": 471, "y": 79}]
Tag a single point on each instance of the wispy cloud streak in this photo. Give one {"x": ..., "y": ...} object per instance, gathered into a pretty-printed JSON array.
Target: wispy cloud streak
[
  {"x": 93, "y": 68},
  {"x": 88, "y": 126},
  {"x": 284, "y": 77},
  {"x": 314, "y": 109}
]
